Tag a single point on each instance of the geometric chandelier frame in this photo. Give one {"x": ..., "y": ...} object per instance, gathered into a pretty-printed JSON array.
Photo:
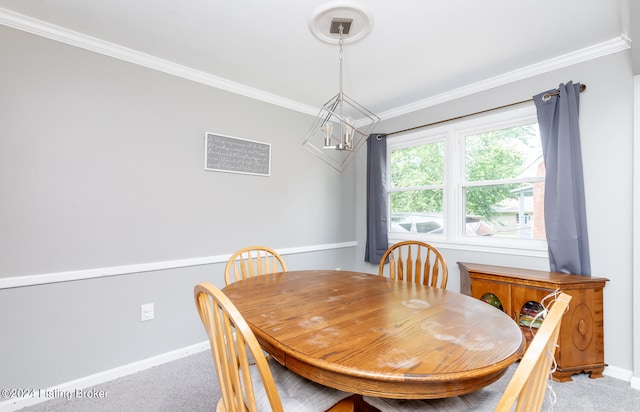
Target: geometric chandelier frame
[{"x": 342, "y": 125}]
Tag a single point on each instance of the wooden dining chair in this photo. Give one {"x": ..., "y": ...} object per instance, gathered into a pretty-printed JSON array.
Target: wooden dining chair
[
  {"x": 253, "y": 261},
  {"x": 529, "y": 383},
  {"x": 526, "y": 388},
  {"x": 248, "y": 381},
  {"x": 414, "y": 261}
]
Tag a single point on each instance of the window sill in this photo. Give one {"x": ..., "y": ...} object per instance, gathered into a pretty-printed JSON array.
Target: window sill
[{"x": 529, "y": 248}]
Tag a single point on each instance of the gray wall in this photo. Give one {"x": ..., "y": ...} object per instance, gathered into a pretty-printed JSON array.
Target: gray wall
[
  {"x": 606, "y": 125},
  {"x": 102, "y": 166}
]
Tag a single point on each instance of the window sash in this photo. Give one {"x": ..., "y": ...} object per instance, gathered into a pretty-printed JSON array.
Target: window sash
[{"x": 454, "y": 185}]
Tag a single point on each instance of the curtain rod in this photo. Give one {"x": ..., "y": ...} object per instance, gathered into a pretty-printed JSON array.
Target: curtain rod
[{"x": 545, "y": 97}]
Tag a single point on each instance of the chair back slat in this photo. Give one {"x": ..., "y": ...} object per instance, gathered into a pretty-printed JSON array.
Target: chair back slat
[
  {"x": 428, "y": 267},
  {"x": 392, "y": 267},
  {"x": 417, "y": 265},
  {"x": 400, "y": 262},
  {"x": 410, "y": 267},
  {"x": 253, "y": 261}
]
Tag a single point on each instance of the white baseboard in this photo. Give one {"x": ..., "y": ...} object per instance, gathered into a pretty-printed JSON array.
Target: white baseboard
[
  {"x": 619, "y": 373},
  {"x": 101, "y": 377}
]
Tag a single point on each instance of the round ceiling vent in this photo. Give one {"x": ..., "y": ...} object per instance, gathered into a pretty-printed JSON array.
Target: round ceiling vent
[{"x": 320, "y": 23}]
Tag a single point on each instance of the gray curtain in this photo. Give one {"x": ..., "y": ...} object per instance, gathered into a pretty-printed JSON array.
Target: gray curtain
[
  {"x": 564, "y": 205},
  {"x": 377, "y": 239}
]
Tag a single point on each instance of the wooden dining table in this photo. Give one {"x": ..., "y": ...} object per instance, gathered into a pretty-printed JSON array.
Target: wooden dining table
[{"x": 372, "y": 336}]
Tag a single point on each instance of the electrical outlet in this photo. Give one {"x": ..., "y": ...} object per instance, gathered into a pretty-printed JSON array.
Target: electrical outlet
[{"x": 146, "y": 312}]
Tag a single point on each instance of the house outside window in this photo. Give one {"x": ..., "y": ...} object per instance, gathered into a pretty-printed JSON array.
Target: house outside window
[{"x": 474, "y": 182}]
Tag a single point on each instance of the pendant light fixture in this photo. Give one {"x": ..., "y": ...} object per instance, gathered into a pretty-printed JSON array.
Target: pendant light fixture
[{"x": 342, "y": 125}]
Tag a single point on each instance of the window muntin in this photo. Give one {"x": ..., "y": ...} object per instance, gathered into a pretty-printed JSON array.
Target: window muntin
[{"x": 481, "y": 181}]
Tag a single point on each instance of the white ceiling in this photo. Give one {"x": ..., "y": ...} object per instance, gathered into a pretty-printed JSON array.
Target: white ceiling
[{"x": 418, "y": 51}]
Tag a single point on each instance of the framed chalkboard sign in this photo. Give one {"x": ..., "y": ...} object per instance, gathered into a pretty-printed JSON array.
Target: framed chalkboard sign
[{"x": 235, "y": 155}]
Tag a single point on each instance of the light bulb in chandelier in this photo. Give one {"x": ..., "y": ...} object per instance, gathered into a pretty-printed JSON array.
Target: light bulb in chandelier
[
  {"x": 347, "y": 133},
  {"x": 344, "y": 141},
  {"x": 328, "y": 130}
]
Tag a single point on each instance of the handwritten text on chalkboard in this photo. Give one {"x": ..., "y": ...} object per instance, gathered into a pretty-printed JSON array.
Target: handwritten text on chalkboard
[{"x": 231, "y": 154}]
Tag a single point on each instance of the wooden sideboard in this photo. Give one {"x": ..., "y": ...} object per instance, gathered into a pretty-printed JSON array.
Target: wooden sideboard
[{"x": 581, "y": 341}]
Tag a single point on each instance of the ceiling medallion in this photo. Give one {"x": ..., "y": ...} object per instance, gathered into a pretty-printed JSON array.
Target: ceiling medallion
[{"x": 321, "y": 20}]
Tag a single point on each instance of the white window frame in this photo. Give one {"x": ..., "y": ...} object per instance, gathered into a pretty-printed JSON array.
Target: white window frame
[{"x": 453, "y": 134}]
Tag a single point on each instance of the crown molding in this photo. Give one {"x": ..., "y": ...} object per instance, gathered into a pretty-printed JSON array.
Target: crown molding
[
  {"x": 588, "y": 53},
  {"x": 61, "y": 34}
]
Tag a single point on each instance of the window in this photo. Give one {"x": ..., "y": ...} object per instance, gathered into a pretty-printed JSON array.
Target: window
[
  {"x": 417, "y": 177},
  {"x": 479, "y": 181}
]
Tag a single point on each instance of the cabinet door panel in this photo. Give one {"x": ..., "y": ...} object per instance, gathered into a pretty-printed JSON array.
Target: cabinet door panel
[
  {"x": 522, "y": 295},
  {"x": 582, "y": 329},
  {"x": 501, "y": 290}
]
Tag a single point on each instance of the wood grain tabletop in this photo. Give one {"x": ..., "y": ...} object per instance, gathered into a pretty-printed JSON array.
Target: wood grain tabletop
[{"x": 369, "y": 335}]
